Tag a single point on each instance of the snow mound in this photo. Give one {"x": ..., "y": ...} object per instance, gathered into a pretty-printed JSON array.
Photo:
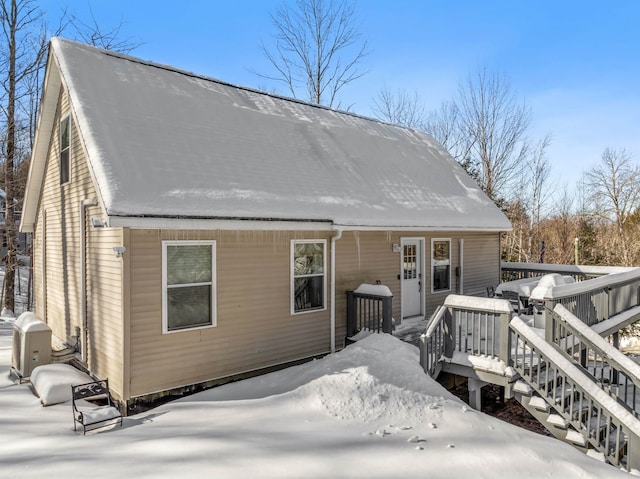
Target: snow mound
[
  {"x": 52, "y": 382},
  {"x": 548, "y": 282},
  {"x": 374, "y": 290},
  {"x": 376, "y": 387}
]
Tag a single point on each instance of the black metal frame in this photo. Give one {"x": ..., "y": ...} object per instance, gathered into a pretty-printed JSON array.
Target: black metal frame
[{"x": 95, "y": 390}]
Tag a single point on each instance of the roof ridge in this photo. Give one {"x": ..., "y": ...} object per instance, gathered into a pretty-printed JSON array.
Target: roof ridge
[{"x": 171, "y": 68}]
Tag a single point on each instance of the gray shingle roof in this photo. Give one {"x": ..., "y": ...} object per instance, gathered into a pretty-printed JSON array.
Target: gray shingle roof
[{"x": 166, "y": 143}]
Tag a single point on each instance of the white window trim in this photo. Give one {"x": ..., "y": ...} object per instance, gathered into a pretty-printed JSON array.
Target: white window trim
[
  {"x": 63, "y": 119},
  {"x": 433, "y": 290},
  {"x": 214, "y": 301},
  {"x": 292, "y": 277}
]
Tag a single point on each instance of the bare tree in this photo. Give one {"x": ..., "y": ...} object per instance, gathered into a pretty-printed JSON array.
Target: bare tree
[
  {"x": 536, "y": 189},
  {"x": 614, "y": 186},
  {"x": 109, "y": 38},
  {"x": 317, "y": 49},
  {"x": 537, "y": 175},
  {"x": 446, "y": 127},
  {"x": 512, "y": 246},
  {"x": 495, "y": 123},
  {"x": 525, "y": 210},
  {"x": 484, "y": 128},
  {"x": 23, "y": 53},
  {"x": 400, "y": 108}
]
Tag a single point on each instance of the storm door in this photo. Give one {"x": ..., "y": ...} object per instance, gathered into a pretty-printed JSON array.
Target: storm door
[{"x": 412, "y": 281}]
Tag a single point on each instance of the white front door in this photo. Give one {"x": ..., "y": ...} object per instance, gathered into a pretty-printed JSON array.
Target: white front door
[{"x": 411, "y": 277}]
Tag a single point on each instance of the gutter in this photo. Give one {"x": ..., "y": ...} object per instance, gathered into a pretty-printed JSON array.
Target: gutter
[
  {"x": 335, "y": 238},
  {"x": 83, "y": 276}
]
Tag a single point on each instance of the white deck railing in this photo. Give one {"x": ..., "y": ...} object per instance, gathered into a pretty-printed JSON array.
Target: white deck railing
[
  {"x": 512, "y": 271},
  {"x": 614, "y": 372},
  {"x": 476, "y": 326},
  {"x": 597, "y": 299},
  {"x": 608, "y": 427},
  {"x": 568, "y": 370}
]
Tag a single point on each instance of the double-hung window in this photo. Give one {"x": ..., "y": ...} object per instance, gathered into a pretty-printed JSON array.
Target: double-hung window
[
  {"x": 65, "y": 150},
  {"x": 441, "y": 264},
  {"x": 188, "y": 283},
  {"x": 308, "y": 281}
]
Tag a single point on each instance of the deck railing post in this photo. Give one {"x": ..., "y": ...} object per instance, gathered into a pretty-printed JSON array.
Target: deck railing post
[
  {"x": 449, "y": 334},
  {"x": 633, "y": 452},
  {"x": 549, "y": 304},
  {"x": 387, "y": 315},
  {"x": 351, "y": 320},
  {"x": 504, "y": 348}
]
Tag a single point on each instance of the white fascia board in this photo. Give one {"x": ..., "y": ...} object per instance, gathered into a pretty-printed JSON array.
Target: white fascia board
[
  {"x": 270, "y": 225},
  {"x": 433, "y": 229},
  {"x": 217, "y": 224},
  {"x": 48, "y": 107}
]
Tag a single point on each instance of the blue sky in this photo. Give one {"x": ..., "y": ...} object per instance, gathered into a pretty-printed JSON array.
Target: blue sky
[{"x": 576, "y": 63}]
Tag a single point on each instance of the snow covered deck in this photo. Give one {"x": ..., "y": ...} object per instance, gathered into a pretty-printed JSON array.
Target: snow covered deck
[{"x": 577, "y": 384}]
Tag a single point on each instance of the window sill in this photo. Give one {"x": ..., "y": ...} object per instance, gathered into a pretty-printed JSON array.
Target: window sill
[{"x": 184, "y": 330}]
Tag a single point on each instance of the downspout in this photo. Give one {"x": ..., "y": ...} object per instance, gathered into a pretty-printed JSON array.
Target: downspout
[
  {"x": 335, "y": 238},
  {"x": 43, "y": 282},
  {"x": 461, "y": 264},
  {"x": 83, "y": 276}
]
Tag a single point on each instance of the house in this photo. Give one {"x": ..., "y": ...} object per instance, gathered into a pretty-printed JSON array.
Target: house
[{"x": 188, "y": 231}]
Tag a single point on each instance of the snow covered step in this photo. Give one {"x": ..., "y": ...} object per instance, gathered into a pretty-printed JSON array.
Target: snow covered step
[
  {"x": 557, "y": 421},
  {"x": 522, "y": 388},
  {"x": 576, "y": 438},
  {"x": 539, "y": 403}
]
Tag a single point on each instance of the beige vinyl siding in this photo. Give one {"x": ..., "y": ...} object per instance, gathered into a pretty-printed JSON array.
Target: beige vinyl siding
[
  {"x": 255, "y": 327},
  {"x": 365, "y": 257},
  {"x": 60, "y": 205},
  {"x": 482, "y": 263},
  {"x": 60, "y": 305},
  {"x": 105, "y": 306}
]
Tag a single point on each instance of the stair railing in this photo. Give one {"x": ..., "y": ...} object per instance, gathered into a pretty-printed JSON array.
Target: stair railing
[
  {"x": 614, "y": 372},
  {"x": 608, "y": 427},
  {"x": 478, "y": 326},
  {"x": 432, "y": 342}
]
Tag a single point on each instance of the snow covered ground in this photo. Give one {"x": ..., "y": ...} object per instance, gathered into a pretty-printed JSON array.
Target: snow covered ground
[{"x": 368, "y": 411}]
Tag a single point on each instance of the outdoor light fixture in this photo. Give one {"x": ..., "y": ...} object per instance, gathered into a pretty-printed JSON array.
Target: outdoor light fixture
[
  {"x": 396, "y": 248},
  {"x": 119, "y": 250}
]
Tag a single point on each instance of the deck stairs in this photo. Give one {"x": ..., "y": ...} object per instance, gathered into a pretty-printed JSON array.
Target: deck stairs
[{"x": 572, "y": 380}]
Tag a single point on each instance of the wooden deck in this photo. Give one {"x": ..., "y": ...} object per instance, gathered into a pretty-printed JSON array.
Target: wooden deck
[{"x": 572, "y": 380}]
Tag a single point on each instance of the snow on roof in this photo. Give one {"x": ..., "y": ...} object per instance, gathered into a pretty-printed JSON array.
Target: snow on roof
[{"x": 166, "y": 143}]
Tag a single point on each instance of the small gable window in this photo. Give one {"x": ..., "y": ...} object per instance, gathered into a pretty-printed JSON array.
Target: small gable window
[
  {"x": 65, "y": 150},
  {"x": 308, "y": 282},
  {"x": 188, "y": 281}
]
